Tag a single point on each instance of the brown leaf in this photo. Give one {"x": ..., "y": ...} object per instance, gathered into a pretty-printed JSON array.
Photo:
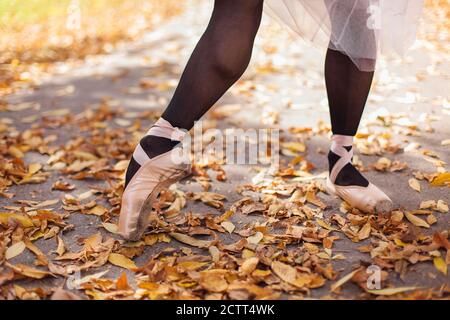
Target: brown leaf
[
  {"x": 391, "y": 291},
  {"x": 249, "y": 265},
  {"x": 121, "y": 261},
  {"x": 28, "y": 271},
  {"x": 414, "y": 184},
  {"x": 416, "y": 220},
  {"x": 344, "y": 280},
  {"x": 190, "y": 240},
  {"x": 213, "y": 280},
  {"x": 15, "y": 250},
  {"x": 122, "y": 282}
]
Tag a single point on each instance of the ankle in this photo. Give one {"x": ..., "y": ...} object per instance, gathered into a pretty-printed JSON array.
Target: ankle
[{"x": 155, "y": 146}]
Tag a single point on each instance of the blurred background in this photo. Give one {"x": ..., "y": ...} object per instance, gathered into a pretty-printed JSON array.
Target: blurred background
[{"x": 36, "y": 33}]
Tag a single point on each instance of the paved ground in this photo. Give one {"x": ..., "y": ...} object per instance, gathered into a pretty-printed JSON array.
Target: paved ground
[{"x": 288, "y": 84}]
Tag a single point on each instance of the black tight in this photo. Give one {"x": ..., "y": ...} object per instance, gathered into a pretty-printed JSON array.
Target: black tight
[
  {"x": 347, "y": 89},
  {"x": 218, "y": 61}
]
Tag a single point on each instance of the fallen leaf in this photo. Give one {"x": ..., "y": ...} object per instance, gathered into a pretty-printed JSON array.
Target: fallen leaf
[
  {"x": 249, "y": 265},
  {"x": 416, "y": 220},
  {"x": 122, "y": 282},
  {"x": 256, "y": 238},
  {"x": 289, "y": 274},
  {"x": 440, "y": 265},
  {"x": 213, "y": 280},
  {"x": 121, "y": 261},
  {"x": 61, "y": 248},
  {"x": 192, "y": 265},
  {"x": 441, "y": 180},
  {"x": 414, "y": 184},
  {"x": 391, "y": 291},
  {"x": 28, "y": 271},
  {"x": 229, "y": 226},
  {"x": 24, "y": 221},
  {"x": 364, "y": 233},
  {"x": 76, "y": 283},
  {"x": 190, "y": 240},
  {"x": 111, "y": 227},
  {"x": 210, "y": 198},
  {"x": 442, "y": 206},
  {"x": 325, "y": 225},
  {"x": 15, "y": 250},
  {"x": 344, "y": 280}
]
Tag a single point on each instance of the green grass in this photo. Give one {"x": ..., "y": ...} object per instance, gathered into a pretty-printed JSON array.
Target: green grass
[
  {"x": 32, "y": 11},
  {"x": 29, "y": 11}
]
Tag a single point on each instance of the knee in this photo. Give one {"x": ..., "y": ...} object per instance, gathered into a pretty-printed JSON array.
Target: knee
[
  {"x": 231, "y": 36},
  {"x": 231, "y": 63}
]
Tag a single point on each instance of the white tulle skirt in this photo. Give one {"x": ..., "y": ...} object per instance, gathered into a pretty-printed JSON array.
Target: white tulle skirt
[{"x": 362, "y": 29}]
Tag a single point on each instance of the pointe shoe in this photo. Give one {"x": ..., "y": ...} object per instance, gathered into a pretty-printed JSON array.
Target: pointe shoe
[
  {"x": 154, "y": 175},
  {"x": 368, "y": 199}
]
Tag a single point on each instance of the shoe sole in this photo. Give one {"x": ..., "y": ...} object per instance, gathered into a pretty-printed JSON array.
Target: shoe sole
[{"x": 147, "y": 207}]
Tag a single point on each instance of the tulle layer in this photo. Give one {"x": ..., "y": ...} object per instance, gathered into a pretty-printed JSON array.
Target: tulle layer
[{"x": 362, "y": 29}]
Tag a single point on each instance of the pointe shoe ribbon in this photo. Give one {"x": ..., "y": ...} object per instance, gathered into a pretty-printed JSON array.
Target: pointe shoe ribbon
[
  {"x": 154, "y": 175},
  {"x": 368, "y": 199}
]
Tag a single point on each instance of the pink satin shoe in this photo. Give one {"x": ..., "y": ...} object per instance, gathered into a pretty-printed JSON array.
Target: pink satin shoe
[
  {"x": 154, "y": 175},
  {"x": 368, "y": 199}
]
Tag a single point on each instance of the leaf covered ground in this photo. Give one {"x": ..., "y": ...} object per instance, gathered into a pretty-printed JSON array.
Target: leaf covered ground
[{"x": 227, "y": 231}]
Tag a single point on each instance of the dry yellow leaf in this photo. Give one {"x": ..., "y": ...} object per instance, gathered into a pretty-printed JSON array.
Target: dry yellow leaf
[
  {"x": 312, "y": 198},
  {"x": 431, "y": 219},
  {"x": 61, "y": 247},
  {"x": 215, "y": 253},
  {"x": 256, "y": 238},
  {"x": 214, "y": 280},
  {"x": 111, "y": 227},
  {"x": 24, "y": 221},
  {"x": 192, "y": 265},
  {"x": 28, "y": 271},
  {"x": 121, "y": 261},
  {"x": 289, "y": 274},
  {"x": 284, "y": 271},
  {"x": 325, "y": 225},
  {"x": 86, "y": 279},
  {"x": 97, "y": 210},
  {"x": 15, "y": 250},
  {"x": 229, "y": 226},
  {"x": 249, "y": 265},
  {"x": 293, "y": 146},
  {"x": 121, "y": 165},
  {"x": 190, "y": 240},
  {"x": 364, "y": 233},
  {"x": 441, "y": 179},
  {"x": 440, "y": 265},
  {"x": 442, "y": 206},
  {"x": 416, "y": 220},
  {"x": 391, "y": 291},
  {"x": 414, "y": 184},
  {"x": 122, "y": 282},
  {"x": 343, "y": 280}
]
